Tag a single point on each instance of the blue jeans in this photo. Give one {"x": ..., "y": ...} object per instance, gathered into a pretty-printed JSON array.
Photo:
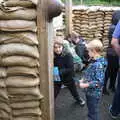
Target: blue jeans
[
  {"x": 93, "y": 105},
  {"x": 115, "y": 109}
]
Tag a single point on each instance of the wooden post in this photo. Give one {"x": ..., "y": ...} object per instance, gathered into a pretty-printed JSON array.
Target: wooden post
[
  {"x": 46, "y": 60},
  {"x": 68, "y": 17},
  {"x": 81, "y": 2}
]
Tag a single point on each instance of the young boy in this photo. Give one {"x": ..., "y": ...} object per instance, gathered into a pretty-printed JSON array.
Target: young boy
[{"x": 93, "y": 79}]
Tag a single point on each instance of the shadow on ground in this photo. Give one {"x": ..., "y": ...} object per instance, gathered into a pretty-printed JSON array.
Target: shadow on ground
[{"x": 66, "y": 109}]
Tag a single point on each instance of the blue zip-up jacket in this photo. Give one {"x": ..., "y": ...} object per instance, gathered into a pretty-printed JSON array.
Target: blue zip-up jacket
[{"x": 94, "y": 75}]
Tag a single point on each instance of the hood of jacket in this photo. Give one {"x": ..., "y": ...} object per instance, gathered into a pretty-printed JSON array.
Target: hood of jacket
[{"x": 116, "y": 17}]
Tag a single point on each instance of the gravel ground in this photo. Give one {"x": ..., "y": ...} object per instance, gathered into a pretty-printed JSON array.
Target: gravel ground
[{"x": 66, "y": 109}]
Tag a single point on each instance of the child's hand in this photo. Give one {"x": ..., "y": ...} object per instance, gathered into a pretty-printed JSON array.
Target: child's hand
[{"x": 84, "y": 85}]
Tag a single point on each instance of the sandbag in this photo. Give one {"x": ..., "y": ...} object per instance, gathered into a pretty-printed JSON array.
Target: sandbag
[
  {"x": 3, "y": 73},
  {"x": 25, "y": 104},
  {"x": 2, "y": 83},
  {"x": 30, "y": 111},
  {"x": 4, "y": 100},
  {"x": 24, "y": 91},
  {"x": 3, "y": 93},
  {"x": 23, "y": 98},
  {"x": 5, "y": 107},
  {"x": 21, "y": 81},
  {"x": 27, "y": 118},
  {"x": 21, "y": 70},
  {"x": 28, "y": 38},
  {"x": 17, "y": 25},
  {"x": 20, "y": 14},
  {"x": 4, "y": 115},
  {"x": 22, "y": 3},
  {"x": 34, "y": 1},
  {"x": 5, "y": 119},
  {"x": 20, "y": 61},
  {"x": 18, "y": 49}
]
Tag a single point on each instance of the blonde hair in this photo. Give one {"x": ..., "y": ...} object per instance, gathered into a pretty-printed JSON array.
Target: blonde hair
[{"x": 95, "y": 45}]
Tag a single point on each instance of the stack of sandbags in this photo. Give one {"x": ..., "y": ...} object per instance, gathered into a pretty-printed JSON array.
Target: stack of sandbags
[
  {"x": 80, "y": 22},
  {"x": 20, "y": 58},
  {"x": 76, "y": 20},
  {"x": 99, "y": 24},
  {"x": 92, "y": 22},
  {"x": 92, "y": 13},
  {"x": 84, "y": 26},
  {"x": 107, "y": 22}
]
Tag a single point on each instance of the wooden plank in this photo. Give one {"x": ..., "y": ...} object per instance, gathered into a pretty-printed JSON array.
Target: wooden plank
[
  {"x": 46, "y": 60},
  {"x": 68, "y": 17}
]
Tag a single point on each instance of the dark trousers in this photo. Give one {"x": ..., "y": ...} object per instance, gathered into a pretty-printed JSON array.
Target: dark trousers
[
  {"x": 93, "y": 104},
  {"x": 71, "y": 86},
  {"x": 116, "y": 100},
  {"x": 111, "y": 71}
]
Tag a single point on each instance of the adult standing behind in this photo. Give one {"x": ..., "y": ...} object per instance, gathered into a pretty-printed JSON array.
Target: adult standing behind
[
  {"x": 64, "y": 62},
  {"x": 70, "y": 48},
  {"x": 81, "y": 49},
  {"x": 112, "y": 57},
  {"x": 115, "y": 108}
]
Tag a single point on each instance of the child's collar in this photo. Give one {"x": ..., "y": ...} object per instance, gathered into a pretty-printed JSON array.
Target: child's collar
[{"x": 97, "y": 57}]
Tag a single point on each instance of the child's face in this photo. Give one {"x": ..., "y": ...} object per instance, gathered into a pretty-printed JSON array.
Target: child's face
[
  {"x": 58, "y": 48},
  {"x": 91, "y": 53}
]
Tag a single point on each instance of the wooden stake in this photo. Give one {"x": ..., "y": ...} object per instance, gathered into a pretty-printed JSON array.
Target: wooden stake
[
  {"x": 81, "y": 2},
  {"x": 68, "y": 17},
  {"x": 46, "y": 60}
]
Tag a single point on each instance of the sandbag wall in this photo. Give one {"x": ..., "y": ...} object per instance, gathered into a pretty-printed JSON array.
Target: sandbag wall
[
  {"x": 92, "y": 22},
  {"x": 20, "y": 95}
]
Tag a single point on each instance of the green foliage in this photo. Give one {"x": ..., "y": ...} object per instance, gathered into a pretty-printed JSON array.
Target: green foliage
[{"x": 97, "y": 2}]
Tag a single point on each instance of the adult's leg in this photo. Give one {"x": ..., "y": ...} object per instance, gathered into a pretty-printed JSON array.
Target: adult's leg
[
  {"x": 107, "y": 75},
  {"x": 57, "y": 87},
  {"x": 113, "y": 77},
  {"x": 115, "y": 109},
  {"x": 73, "y": 90},
  {"x": 114, "y": 70},
  {"x": 106, "y": 78}
]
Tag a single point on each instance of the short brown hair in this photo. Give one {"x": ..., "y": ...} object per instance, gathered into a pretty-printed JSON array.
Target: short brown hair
[
  {"x": 74, "y": 34},
  {"x": 58, "y": 40}
]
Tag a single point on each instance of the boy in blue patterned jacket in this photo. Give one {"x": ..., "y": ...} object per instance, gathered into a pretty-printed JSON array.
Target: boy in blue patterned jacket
[{"x": 93, "y": 79}]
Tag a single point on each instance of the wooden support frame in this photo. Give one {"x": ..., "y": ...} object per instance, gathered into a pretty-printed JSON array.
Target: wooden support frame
[
  {"x": 68, "y": 17},
  {"x": 46, "y": 60}
]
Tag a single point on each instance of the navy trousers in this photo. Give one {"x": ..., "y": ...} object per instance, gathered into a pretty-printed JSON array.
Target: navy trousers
[
  {"x": 116, "y": 100},
  {"x": 93, "y": 104}
]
